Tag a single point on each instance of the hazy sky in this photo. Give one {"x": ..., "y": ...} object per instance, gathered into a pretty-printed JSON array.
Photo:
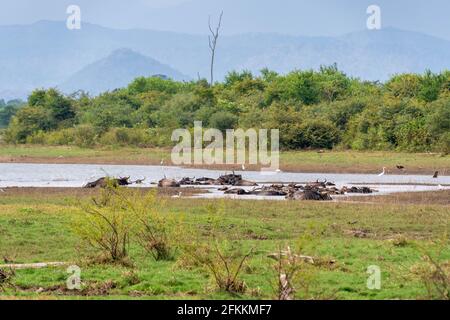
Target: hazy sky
[{"x": 298, "y": 17}]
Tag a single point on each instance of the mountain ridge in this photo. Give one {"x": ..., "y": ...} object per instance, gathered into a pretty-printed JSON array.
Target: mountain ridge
[
  {"x": 46, "y": 53},
  {"x": 117, "y": 70}
]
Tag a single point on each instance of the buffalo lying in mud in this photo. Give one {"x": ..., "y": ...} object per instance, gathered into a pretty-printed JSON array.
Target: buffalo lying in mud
[
  {"x": 104, "y": 181},
  {"x": 263, "y": 191},
  {"x": 322, "y": 191},
  {"x": 225, "y": 180},
  {"x": 234, "y": 184},
  {"x": 309, "y": 194},
  {"x": 317, "y": 191},
  {"x": 235, "y": 180},
  {"x": 364, "y": 190},
  {"x": 168, "y": 183}
]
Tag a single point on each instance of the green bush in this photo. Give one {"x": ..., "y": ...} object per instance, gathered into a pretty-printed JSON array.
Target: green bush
[
  {"x": 127, "y": 137},
  {"x": 318, "y": 134},
  {"x": 39, "y": 137},
  {"x": 85, "y": 135},
  {"x": 120, "y": 217},
  {"x": 443, "y": 144},
  {"x": 413, "y": 136},
  {"x": 27, "y": 122},
  {"x": 223, "y": 120},
  {"x": 61, "y": 137},
  {"x": 312, "y": 109}
]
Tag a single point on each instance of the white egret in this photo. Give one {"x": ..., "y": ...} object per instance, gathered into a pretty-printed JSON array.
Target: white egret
[{"x": 383, "y": 173}]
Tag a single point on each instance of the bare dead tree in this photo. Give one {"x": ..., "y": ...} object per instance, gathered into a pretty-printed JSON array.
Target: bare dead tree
[{"x": 213, "y": 42}]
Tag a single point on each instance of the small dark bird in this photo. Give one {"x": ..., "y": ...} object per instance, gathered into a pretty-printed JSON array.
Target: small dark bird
[
  {"x": 399, "y": 167},
  {"x": 436, "y": 174}
]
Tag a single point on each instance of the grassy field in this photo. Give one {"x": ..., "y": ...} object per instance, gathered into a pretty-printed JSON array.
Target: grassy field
[
  {"x": 295, "y": 161},
  {"x": 36, "y": 226}
]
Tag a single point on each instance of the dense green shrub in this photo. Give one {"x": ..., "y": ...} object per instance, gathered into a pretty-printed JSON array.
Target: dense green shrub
[
  {"x": 223, "y": 120},
  {"x": 127, "y": 137},
  {"x": 312, "y": 109},
  {"x": 8, "y": 110},
  {"x": 413, "y": 136},
  {"x": 318, "y": 134},
  {"x": 443, "y": 143},
  {"x": 27, "y": 122}
]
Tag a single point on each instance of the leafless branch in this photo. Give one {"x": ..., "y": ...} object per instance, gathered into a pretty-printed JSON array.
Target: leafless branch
[{"x": 212, "y": 41}]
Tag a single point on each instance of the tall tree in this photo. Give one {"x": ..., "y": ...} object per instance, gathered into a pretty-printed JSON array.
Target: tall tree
[{"x": 213, "y": 42}]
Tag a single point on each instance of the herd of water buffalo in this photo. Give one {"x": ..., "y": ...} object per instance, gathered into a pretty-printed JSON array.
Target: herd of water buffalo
[{"x": 234, "y": 184}]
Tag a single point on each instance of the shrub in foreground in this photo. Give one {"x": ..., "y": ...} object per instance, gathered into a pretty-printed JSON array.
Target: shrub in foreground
[{"x": 120, "y": 217}]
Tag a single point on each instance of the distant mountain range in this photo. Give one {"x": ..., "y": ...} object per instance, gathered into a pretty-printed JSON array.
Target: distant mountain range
[
  {"x": 117, "y": 70},
  {"x": 47, "y": 54}
]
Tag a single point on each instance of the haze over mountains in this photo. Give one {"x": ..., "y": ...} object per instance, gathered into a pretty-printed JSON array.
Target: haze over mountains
[
  {"x": 47, "y": 54},
  {"x": 117, "y": 70}
]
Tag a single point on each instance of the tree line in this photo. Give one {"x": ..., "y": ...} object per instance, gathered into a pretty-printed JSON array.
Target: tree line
[
  {"x": 8, "y": 109},
  {"x": 313, "y": 109}
]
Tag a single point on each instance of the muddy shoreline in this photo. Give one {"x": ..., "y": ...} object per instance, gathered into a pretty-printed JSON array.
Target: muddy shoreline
[
  {"x": 188, "y": 193},
  {"x": 294, "y": 168},
  {"x": 52, "y": 192}
]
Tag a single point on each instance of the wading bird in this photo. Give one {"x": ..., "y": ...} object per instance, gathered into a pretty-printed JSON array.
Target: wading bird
[
  {"x": 436, "y": 174},
  {"x": 177, "y": 195},
  {"x": 383, "y": 173}
]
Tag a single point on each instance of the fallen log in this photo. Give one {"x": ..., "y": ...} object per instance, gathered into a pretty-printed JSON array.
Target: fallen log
[
  {"x": 276, "y": 256},
  {"x": 33, "y": 265},
  {"x": 286, "y": 290}
]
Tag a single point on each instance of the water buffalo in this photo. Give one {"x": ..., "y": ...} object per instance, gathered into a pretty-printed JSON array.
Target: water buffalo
[
  {"x": 237, "y": 191},
  {"x": 103, "y": 182},
  {"x": 168, "y": 183},
  {"x": 309, "y": 194}
]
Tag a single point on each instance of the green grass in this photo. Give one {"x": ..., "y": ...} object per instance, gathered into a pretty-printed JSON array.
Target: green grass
[
  {"x": 50, "y": 153},
  {"x": 44, "y": 151},
  {"x": 40, "y": 230},
  {"x": 367, "y": 161}
]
